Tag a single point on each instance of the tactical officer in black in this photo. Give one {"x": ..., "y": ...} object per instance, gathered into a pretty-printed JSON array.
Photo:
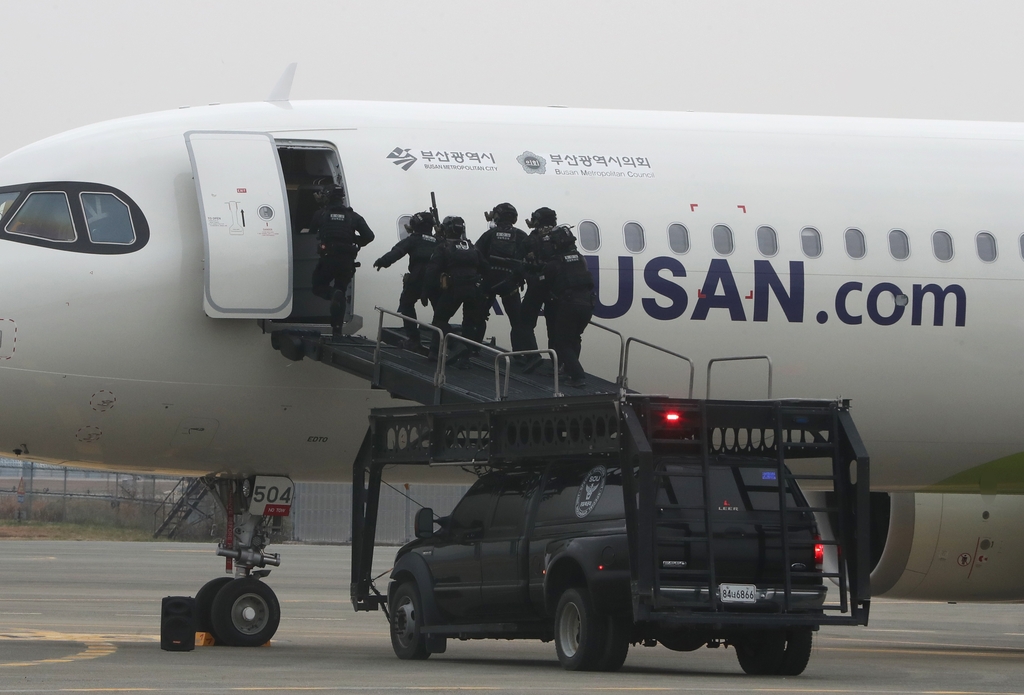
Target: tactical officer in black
[
  {"x": 341, "y": 232},
  {"x": 453, "y": 278},
  {"x": 419, "y": 246},
  {"x": 539, "y": 251},
  {"x": 570, "y": 287},
  {"x": 504, "y": 247}
]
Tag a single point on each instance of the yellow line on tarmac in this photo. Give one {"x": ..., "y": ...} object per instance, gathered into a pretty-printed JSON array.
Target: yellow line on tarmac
[{"x": 91, "y": 651}]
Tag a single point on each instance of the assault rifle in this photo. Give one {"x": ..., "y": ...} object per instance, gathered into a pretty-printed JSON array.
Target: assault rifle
[{"x": 434, "y": 213}]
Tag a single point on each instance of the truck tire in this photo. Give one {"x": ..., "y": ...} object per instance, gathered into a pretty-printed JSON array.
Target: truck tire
[
  {"x": 580, "y": 633},
  {"x": 798, "y": 652},
  {"x": 760, "y": 653},
  {"x": 406, "y": 620},
  {"x": 616, "y": 645}
]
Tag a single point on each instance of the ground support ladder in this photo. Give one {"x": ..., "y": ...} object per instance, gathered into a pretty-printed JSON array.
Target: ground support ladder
[{"x": 632, "y": 431}]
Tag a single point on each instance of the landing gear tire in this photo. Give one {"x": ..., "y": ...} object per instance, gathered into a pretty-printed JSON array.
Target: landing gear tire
[
  {"x": 245, "y": 613},
  {"x": 616, "y": 645},
  {"x": 798, "y": 652},
  {"x": 204, "y": 604},
  {"x": 406, "y": 619},
  {"x": 580, "y": 633},
  {"x": 761, "y": 653}
]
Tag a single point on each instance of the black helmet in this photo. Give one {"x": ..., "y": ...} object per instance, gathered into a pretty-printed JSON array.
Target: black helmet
[
  {"x": 453, "y": 227},
  {"x": 562, "y": 237},
  {"x": 325, "y": 191},
  {"x": 503, "y": 213},
  {"x": 542, "y": 217},
  {"x": 420, "y": 223}
]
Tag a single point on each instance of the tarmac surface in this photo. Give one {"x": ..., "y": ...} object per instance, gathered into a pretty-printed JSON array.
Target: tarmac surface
[{"x": 84, "y": 617}]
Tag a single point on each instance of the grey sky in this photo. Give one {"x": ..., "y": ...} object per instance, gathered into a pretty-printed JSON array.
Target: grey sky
[{"x": 65, "y": 63}]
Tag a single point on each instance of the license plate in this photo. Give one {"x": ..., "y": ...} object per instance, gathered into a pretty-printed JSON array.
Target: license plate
[{"x": 737, "y": 593}]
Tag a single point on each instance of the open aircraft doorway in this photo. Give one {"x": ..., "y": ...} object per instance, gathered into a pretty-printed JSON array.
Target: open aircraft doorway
[{"x": 309, "y": 166}]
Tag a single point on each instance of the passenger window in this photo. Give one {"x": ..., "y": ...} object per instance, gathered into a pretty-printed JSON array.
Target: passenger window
[
  {"x": 810, "y": 242},
  {"x": 721, "y": 237},
  {"x": 1020, "y": 242},
  {"x": 767, "y": 241},
  {"x": 7, "y": 200},
  {"x": 107, "y": 219},
  {"x": 678, "y": 238},
  {"x": 986, "y": 247},
  {"x": 856, "y": 247},
  {"x": 510, "y": 507},
  {"x": 475, "y": 506},
  {"x": 44, "y": 215},
  {"x": 899, "y": 244},
  {"x": 402, "y": 231},
  {"x": 590, "y": 235},
  {"x": 942, "y": 245},
  {"x": 633, "y": 234}
]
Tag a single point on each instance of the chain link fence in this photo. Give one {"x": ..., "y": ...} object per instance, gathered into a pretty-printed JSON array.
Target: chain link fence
[{"x": 321, "y": 513}]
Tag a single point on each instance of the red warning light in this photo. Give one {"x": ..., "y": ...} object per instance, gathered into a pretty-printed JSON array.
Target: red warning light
[
  {"x": 819, "y": 551},
  {"x": 673, "y": 416}
]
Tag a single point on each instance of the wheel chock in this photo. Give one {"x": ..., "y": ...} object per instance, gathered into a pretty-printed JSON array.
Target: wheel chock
[{"x": 205, "y": 639}]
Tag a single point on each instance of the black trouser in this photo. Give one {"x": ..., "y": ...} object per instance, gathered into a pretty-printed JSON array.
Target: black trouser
[
  {"x": 535, "y": 299},
  {"x": 512, "y": 305},
  {"x": 447, "y": 302},
  {"x": 338, "y": 270},
  {"x": 411, "y": 287},
  {"x": 569, "y": 320}
]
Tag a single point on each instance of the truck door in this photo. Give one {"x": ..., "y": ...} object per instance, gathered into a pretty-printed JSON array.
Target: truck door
[
  {"x": 502, "y": 558},
  {"x": 246, "y": 229}
]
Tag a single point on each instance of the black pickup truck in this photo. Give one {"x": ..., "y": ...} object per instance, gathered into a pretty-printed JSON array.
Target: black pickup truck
[{"x": 541, "y": 552}]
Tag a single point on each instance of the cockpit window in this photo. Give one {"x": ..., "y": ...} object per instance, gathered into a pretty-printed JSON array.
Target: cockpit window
[
  {"x": 107, "y": 219},
  {"x": 7, "y": 200},
  {"x": 72, "y": 216},
  {"x": 44, "y": 215}
]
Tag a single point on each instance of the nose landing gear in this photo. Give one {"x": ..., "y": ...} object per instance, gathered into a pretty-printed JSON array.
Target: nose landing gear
[{"x": 241, "y": 610}]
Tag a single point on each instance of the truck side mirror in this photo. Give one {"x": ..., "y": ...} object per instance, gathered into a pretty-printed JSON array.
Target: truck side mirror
[{"x": 423, "y": 527}]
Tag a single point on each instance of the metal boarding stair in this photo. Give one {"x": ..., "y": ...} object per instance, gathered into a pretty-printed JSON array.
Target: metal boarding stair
[
  {"x": 184, "y": 500},
  {"x": 412, "y": 376},
  {"x": 628, "y": 431}
]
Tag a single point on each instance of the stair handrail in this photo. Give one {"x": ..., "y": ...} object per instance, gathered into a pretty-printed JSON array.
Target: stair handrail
[
  {"x": 380, "y": 340},
  {"x": 442, "y": 353},
  {"x": 740, "y": 358},
  {"x": 625, "y": 366},
  {"x": 622, "y": 349},
  {"x": 507, "y": 358}
]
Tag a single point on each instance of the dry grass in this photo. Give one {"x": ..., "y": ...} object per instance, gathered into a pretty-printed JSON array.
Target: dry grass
[{"x": 56, "y": 531}]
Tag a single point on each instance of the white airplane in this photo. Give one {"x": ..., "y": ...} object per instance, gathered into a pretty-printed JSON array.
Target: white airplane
[{"x": 877, "y": 260}]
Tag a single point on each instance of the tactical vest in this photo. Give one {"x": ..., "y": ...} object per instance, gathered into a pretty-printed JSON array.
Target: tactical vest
[
  {"x": 463, "y": 263},
  {"x": 541, "y": 245},
  {"x": 338, "y": 230},
  {"x": 504, "y": 243},
  {"x": 422, "y": 248},
  {"x": 573, "y": 274}
]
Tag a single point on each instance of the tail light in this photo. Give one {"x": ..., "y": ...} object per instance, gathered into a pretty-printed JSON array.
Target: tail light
[
  {"x": 672, "y": 417},
  {"x": 819, "y": 551}
]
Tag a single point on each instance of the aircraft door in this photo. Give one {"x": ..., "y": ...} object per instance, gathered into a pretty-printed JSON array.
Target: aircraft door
[{"x": 246, "y": 224}]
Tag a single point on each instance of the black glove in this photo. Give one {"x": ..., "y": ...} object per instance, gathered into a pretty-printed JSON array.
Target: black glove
[{"x": 378, "y": 264}]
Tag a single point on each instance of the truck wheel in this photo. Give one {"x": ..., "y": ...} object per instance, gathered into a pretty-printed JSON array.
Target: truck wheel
[
  {"x": 616, "y": 645},
  {"x": 760, "y": 653},
  {"x": 406, "y": 638},
  {"x": 798, "y": 652},
  {"x": 245, "y": 613},
  {"x": 580, "y": 634}
]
